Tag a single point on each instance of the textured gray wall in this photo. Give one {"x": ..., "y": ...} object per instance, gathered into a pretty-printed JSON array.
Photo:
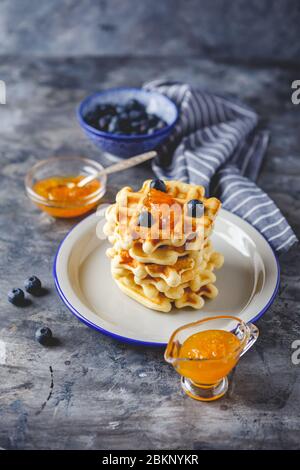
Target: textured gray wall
[{"x": 266, "y": 30}]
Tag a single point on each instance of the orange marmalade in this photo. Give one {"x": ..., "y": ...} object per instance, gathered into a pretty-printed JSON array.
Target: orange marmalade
[
  {"x": 166, "y": 210},
  {"x": 208, "y": 356},
  {"x": 63, "y": 198},
  {"x": 125, "y": 258},
  {"x": 157, "y": 197}
]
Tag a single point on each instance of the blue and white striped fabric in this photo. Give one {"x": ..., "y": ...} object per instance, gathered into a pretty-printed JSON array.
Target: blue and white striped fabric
[{"x": 214, "y": 144}]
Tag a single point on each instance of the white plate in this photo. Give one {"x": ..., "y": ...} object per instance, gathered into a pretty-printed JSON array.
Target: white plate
[{"x": 247, "y": 283}]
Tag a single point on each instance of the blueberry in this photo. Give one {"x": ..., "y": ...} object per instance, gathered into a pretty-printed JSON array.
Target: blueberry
[
  {"x": 104, "y": 109},
  {"x": 123, "y": 116},
  {"x": 91, "y": 119},
  {"x": 153, "y": 120},
  {"x": 124, "y": 124},
  {"x": 145, "y": 219},
  {"x": 43, "y": 335},
  {"x": 113, "y": 126},
  {"x": 195, "y": 208},
  {"x": 159, "y": 185},
  {"x": 144, "y": 126},
  {"x": 119, "y": 109},
  {"x": 135, "y": 126},
  {"x": 33, "y": 285},
  {"x": 143, "y": 129},
  {"x": 160, "y": 125},
  {"x": 134, "y": 105},
  {"x": 16, "y": 296},
  {"x": 104, "y": 122},
  {"x": 137, "y": 115}
]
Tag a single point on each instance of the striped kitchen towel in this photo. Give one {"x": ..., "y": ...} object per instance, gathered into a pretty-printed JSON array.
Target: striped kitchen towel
[{"x": 215, "y": 143}]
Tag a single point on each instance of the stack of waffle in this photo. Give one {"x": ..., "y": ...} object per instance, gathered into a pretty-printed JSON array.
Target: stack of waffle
[{"x": 161, "y": 252}]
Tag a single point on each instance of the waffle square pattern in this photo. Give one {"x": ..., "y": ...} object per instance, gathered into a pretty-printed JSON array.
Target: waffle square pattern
[{"x": 161, "y": 254}]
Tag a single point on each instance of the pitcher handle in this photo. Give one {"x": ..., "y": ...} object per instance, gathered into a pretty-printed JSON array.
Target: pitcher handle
[{"x": 253, "y": 335}]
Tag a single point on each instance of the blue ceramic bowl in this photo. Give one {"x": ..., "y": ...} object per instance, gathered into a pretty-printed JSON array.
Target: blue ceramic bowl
[{"x": 122, "y": 145}]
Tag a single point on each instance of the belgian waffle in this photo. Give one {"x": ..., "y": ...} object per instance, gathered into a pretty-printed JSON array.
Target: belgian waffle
[
  {"x": 155, "y": 293},
  {"x": 164, "y": 255},
  {"x": 182, "y": 271},
  {"x": 172, "y": 226}
]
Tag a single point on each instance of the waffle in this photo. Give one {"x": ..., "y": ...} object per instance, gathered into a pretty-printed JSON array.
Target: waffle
[
  {"x": 155, "y": 293},
  {"x": 170, "y": 263},
  {"x": 173, "y": 275},
  {"x": 159, "y": 302},
  {"x": 172, "y": 226}
]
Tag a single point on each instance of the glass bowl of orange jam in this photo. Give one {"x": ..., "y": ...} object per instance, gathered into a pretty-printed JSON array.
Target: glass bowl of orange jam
[{"x": 52, "y": 185}]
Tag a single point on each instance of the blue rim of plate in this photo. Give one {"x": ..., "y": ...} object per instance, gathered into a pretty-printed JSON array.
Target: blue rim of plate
[
  {"x": 129, "y": 138},
  {"x": 125, "y": 339}
]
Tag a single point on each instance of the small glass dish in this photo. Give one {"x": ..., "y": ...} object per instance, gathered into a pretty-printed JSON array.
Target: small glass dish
[
  {"x": 51, "y": 185},
  {"x": 202, "y": 378}
]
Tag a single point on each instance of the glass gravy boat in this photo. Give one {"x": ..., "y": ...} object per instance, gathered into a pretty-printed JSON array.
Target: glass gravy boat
[{"x": 206, "y": 379}]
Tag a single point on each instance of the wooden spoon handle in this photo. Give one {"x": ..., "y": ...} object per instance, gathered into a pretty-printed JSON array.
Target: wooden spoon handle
[{"x": 120, "y": 166}]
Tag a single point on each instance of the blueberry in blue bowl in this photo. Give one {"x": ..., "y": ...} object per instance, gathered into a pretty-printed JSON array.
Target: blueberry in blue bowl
[{"x": 127, "y": 121}]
